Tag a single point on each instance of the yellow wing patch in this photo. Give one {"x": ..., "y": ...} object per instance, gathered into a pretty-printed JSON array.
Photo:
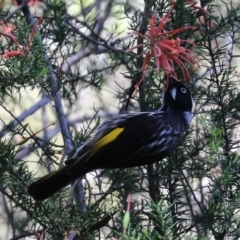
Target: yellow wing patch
[
  {"x": 74, "y": 168},
  {"x": 107, "y": 139}
]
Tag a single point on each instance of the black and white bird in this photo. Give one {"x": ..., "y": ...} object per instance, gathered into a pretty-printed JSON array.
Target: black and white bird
[{"x": 124, "y": 141}]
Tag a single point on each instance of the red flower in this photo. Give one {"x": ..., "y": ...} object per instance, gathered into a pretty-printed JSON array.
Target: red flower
[
  {"x": 6, "y": 31},
  {"x": 193, "y": 4},
  {"x": 166, "y": 51},
  {"x": 20, "y": 50},
  {"x": 32, "y": 3}
]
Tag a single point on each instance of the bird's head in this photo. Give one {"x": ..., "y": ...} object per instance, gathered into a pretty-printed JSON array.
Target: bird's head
[{"x": 177, "y": 96}]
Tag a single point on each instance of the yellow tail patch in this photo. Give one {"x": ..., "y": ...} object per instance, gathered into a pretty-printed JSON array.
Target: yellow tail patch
[{"x": 107, "y": 139}]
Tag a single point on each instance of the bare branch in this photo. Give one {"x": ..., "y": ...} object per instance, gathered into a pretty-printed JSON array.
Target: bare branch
[
  {"x": 9, "y": 127},
  {"x": 63, "y": 122},
  {"x": 19, "y": 8}
]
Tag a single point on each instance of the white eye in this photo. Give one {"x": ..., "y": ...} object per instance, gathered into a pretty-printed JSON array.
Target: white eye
[{"x": 183, "y": 90}]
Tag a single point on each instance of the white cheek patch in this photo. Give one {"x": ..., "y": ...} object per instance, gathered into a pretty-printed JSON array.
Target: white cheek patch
[
  {"x": 173, "y": 92},
  {"x": 192, "y": 100},
  {"x": 188, "y": 117}
]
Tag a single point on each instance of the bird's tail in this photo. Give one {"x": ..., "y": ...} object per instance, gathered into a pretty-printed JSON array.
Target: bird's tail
[{"x": 51, "y": 183}]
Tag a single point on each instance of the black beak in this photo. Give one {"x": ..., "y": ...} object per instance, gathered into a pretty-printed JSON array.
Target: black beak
[{"x": 171, "y": 81}]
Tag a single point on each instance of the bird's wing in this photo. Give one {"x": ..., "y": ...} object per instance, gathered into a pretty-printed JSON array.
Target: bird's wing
[
  {"x": 121, "y": 137},
  {"x": 104, "y": 133}
]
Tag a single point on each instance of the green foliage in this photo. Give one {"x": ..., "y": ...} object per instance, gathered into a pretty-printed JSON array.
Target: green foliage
[
  {"x": 195, "y": 191},
  {"x": 28, "y": 70},
  {"x": 162, "y": 220}
]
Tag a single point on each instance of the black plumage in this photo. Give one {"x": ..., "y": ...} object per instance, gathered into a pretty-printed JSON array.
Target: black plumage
[{"x": 124, "y": 141}]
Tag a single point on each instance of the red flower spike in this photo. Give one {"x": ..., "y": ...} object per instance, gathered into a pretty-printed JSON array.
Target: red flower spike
[
  {"x": 34, "y": 30},
  {"x": 126, "y": 218},
  {"x": 193, "y": 4},
  {"x": 8, "y": 54},
  {"x": 7, "y": 32},
  {"x": 33, "y": 3},
  {"x": 165, "y": 51},
  {"x": 21, "y": 50}
]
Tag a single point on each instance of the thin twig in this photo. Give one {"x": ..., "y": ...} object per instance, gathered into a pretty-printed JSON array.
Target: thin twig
[
  {"x": 153, "y": 189},
  {"x": 109, "y": 191},
  {"x": 23, "y": 236},
  {"x": 10, "y": 126},
  {"x": 66, "y": 134},
  {"x": 22, "y": 206},
  {"x": 92, "y": 43},
  {"x": 29, "y": 133},
  {"x": 10, "y": 15}
]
